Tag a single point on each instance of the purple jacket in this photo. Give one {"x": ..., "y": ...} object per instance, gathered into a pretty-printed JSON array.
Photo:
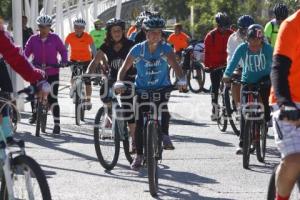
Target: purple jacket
[{"x": 45, "y": 53}]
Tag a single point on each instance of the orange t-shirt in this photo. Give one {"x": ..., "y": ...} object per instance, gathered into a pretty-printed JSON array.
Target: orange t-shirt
[
  {"x": 132, "y": 29},
  {"x": 288, "y": 44},
  {"x": 180, "y": 41},
  {"x": 80, "y": 47}
]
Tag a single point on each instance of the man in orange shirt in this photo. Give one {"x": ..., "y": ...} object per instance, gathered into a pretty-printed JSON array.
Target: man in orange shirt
[
  {"x": 179, "y": 39},
  {"x": 83, "y": 50},
  {"x": 285, "y": 98}
]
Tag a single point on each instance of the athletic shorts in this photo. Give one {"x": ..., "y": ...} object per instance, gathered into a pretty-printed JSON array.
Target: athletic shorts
[{"x": 287, "y": 136}]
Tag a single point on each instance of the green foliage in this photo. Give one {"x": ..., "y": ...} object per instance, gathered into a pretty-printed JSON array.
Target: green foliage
[
  {"x": 205, "y": 11},
  {"x": 6, "y": 8}
]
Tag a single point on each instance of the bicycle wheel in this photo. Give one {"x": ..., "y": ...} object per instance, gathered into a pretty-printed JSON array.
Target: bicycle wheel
[
  {"x": 152, "y": 147},
  {"x": 29, "y": 180},
  {"x": 221, "y": 110},
  {"x": 77, "y": 108},
  {"x": 172, "y": 76},
  {"x": 196, "y": 79},
  {"x": 247, "y": 142},
  {"x": 261, "y": 141},
  {"x": 106, "y": 141},
  {"x": 39, "y": 111},
  {"x": 231, "y": 110},
  {"x": 44, "y": 118},
  {"x": 271, "y": 188},
  {"x": 126, "y": 146}
]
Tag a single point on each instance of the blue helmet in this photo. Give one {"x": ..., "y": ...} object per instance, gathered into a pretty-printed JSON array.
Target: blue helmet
[
  {"x": 255, "y": 31},
  {"x": 222, "y": 19},
  {"x": 281, "y": 11},
  {"x": 245, "y": 21},
  {"x": 154, "y": 21}
]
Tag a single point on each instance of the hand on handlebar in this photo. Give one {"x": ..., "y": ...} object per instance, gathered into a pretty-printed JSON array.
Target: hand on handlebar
[
  {"x": 119, "y": 87},
  {"x": 44, "y": 88}
]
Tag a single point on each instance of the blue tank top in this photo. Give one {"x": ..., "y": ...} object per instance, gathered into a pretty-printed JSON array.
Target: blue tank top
[{"x": 152, "y": 68}]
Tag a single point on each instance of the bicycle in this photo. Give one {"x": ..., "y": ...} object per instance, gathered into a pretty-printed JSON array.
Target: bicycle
[
  {"x": 18, "y": 169},
  {"x": 78, "y": 92},
  {"x": 194, "y": 67},
  {"x": 255, "y": 127},
  {"x": 152, "y": 135},
  {"x": 231, "y": 107},
  {"x": 110, "y": 130},
  {"x": 42, "y": 107}
]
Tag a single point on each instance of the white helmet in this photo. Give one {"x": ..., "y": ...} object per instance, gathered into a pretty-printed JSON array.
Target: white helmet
[
  {"x": 44, "y": 20},
  {"x": 79, "y": 22}
]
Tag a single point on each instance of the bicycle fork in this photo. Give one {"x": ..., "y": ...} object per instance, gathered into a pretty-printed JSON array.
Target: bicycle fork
[{"x": 6, "y": 166}]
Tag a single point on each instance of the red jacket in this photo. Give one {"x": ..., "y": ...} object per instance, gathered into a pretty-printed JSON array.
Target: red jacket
[
  {"x": 13, "y": 56},
  {"x": 215, "y": 48}
]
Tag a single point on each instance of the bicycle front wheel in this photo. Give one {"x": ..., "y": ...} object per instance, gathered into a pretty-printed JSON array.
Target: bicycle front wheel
[
  {"x": 196, "y": 79},
  {"x": 29, "y": 180},
  {"x": 106, "y": 141},
  {"x": 77, "y": 109},
  {"x": 39, "y": 114},
  {"x": 152, "y": 148},
  {"x": 221, "y": 110},
  {"x": 247, "y": 139},
  {"x": 44, "y": 118}
]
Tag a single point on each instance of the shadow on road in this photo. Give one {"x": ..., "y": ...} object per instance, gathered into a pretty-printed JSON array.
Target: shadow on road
[
  {"x": 181, "y": 138},
  {"x": 186, "y": 123}
]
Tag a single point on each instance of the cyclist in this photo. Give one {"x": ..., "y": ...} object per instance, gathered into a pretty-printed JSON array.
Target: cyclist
[
  {"x": 215, "y": 56},
  {"x": 141, "y": 34},
  {"x": 234, "y": 41},
  {"x": 99, "y": 33},
  {"x": 44, "y": 47},
  {"x": 20, "y": 64},
  {"x": 179, "y": 40},
  {"x": 138, "y": 25},
  {"x": 27, "y": 31},
  {"x": 112, "y": 54},
  {"x": 256, "y": 55},
  {"x": 151, "y": 59},
  {"x": 281, "y": 12},
  {"x": 285, "y": 98},
  {"x": 82, "y": 50}
]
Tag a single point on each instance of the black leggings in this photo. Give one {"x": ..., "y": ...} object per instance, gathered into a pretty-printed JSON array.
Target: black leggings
[
  {"x": 165, "y": 118},
  {"x": 52, "y": 98},
  {"x": 215, "y": 78}
]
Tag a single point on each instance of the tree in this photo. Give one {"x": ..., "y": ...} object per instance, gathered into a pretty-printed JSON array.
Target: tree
[
  {"x": 171, "y": 8},
  {"x": 6, "y": 9}
]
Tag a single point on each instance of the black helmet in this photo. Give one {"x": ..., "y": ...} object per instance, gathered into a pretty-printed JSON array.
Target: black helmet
[
  {"x": 245, "y": 21},
  {"x": 222, "y": 19},
  {"x": 115, "y": 22},
  {"x": 255, "y": 31},
  {"x": 154, "y": 21},
  {"x": 281, "y": 11}
]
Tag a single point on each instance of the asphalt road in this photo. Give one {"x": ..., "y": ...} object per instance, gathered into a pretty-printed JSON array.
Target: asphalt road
[{"x": 203, "y": 165}]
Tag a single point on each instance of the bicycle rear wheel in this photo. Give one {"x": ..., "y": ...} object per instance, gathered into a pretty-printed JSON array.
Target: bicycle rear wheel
[
  {"x": 29, "y": 181},
  {"x": 231, "y": 110},
  {"x": 152, "y": 150},
  {"x": 261, "y": 142},
  {"x": 39, "y": 111},
  {"x": 221, "y": 110},
  {"x": 247, "y": 139},
  {"x": 106, "y": 141},
  {"x": 196, "y": 79}
]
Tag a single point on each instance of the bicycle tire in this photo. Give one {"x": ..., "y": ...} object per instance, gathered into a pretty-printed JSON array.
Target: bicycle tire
[
  {"x": 44, "y": 118},
  {"x": 109, "y": 165},
  {"x": 38, "y": 119},
  {"x": 35, "y": 169},
  {"x": 247, "y": 143},
  {"x": 172, "y": 76},
  {"x": 152, "y": 138},
  {"x": 261, "y": 144},
  {"x": 229, "y": 111},
  {"x": 222, "y": 116},
  {"x": 271, "y": 187},
  {"x": 77, "y": 112},
  {"x": 200, "y": 80}
]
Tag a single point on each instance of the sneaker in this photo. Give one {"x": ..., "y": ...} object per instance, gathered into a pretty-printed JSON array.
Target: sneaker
[
  {"x": 167, "y": 143},
  {"x": 239, "y": 151},
  {"x": 137, "y": 162},
  {"x": 56, "y": 129},
  {"x": 32, "y": 119}
]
